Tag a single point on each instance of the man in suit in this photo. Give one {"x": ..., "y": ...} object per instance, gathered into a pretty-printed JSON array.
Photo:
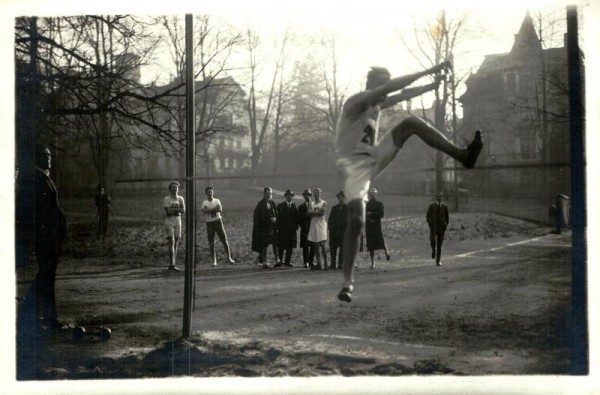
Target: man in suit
[
  {"x": 41, "y": 223},
  {"x": 337, "y": 226},
  {"x": 437, "y": 219},
  {"x": 103, "y": 203},
  {"x": 264, "y": 227},
  {"x": 287, "y": 228},
  {"x": 304, "y": 223}
]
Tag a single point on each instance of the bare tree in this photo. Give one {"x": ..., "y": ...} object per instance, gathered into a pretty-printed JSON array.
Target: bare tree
[
  {"x": 436, "y": 42},
  {"x": 217, "y": 93},
  {"x": 260, "y": 104}
]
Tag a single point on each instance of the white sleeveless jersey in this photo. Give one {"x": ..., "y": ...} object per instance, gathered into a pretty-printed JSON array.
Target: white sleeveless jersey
[{"x": 357, "y": 135}]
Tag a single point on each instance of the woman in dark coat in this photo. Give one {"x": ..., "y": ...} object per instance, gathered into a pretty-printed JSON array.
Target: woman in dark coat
[
  {"x": 375, "y": 240},
  {"x": 264, "y": 227}
]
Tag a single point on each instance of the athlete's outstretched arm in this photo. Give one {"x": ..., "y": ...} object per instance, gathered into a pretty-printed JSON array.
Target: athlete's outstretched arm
[
  {"x": 398, "y": 83},
  {"x": 409, "y": 93}
]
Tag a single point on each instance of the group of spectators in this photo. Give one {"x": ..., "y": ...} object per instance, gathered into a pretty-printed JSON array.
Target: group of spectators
[{"x": 277, "y": 225}]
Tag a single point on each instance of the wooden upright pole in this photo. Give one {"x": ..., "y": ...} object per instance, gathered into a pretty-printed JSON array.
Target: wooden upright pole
[{"x": 190, "y": 195}]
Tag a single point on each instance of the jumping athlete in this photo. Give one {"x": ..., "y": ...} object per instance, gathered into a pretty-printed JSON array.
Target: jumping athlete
[{"x": 361, "y": 157}]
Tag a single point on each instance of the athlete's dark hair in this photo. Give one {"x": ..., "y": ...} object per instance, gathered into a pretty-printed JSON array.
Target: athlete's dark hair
[{"x": 375, "y": 75}]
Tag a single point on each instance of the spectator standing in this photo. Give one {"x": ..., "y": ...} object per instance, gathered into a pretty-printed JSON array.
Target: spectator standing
[
  {"x": 336, "y": 224},
  {"x": 41, "y": 223},
  {"x": 373, "y": 231},
  {"x": 103, "y": 203},
  {"x": 287, "y": 220},
  {"x": 304, "y": 223},
  {"x": 264, "y": 227},
  {"x": 212, "y": 210},
  {"x": 317, "y": 234},
  {"x": 174, "y": 206},
  {"x": 437, "y": 219}
]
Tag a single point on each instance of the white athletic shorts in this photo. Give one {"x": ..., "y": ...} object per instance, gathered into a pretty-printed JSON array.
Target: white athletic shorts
[
  {"x": 173, "y": 226},
  {"x": 356, "y": 172}
]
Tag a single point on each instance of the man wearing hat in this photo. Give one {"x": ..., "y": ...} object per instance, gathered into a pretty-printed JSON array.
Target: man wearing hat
[
  {"x": 304, "y": 224},
  {"x": 174, "y": 206},
  {"x": 287, "y": 225},
  {"x": 437, "y": 219},
  {"x": 336, "y": 224}
]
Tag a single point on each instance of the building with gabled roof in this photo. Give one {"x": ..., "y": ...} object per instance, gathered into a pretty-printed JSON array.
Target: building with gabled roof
[{"x": 519, "y": 100}]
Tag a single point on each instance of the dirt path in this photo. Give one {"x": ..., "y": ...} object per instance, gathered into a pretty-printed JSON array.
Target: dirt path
[{"x": 497, "y": 306}]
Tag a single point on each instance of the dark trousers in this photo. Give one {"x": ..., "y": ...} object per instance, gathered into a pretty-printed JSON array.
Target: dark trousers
[
  {"x": 308, "y": 253},
  {"x": 102, "y": 222},
  {"x": 216, "y": 227},
  {"x": 333, "y": 249},
  {"x": 40, "y": 300},
  {"x": 436, "y": 240},
  {"x": 262, "y": 256},
  {"x": 288, "y": 254}
]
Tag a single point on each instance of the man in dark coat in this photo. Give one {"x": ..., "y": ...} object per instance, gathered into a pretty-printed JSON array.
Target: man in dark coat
[
  {"x": 42, "y": 224},
  {"x": 287, "y": 228},
  {"x": 264, "y": 227},
  {"x": 437, "y": 219},
  {"x": 336, "y": 224},
  {"x": 103, "y": 203},
  {"x": 304, "y": 223},
  {"x": 374, "y": 234}
]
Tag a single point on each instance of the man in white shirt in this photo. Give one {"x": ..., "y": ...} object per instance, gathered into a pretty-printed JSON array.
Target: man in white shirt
[
  {"x": 212, "y": 209},
  {"x": 174, "y": 206}
]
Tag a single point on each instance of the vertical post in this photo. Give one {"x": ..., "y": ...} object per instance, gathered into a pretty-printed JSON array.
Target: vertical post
[
  {"x": 578, "y": 334},
  {"x": 190, "y": 195},
  {"x": 454, "y": 138}
]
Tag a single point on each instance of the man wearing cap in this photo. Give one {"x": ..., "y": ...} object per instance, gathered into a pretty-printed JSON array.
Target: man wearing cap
[
  {"x": 264, "y": 227},
  {"x": 336, "y": 224},
  {"x": 174, "y": 206},
  {"x": 437, "y": 219},
  {"x": 304, "y": 224},
  {"x": 212, "y": 209},
  {"x": 287, "y": 228},
  {"x": 373, "y": 231}
]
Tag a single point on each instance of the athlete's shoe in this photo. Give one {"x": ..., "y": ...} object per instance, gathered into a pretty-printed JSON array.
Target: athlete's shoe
[
  {"x": 438, "y": 263},
  {"x": 345, "y": 294},
  {"x": 473, "y": 151},
  {"x": 174, "y": 268}
]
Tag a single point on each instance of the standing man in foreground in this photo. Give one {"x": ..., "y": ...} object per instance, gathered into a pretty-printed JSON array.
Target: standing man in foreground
[
  {"x": 174, "y": 206},
  {"x": 287, "y": 228},
  {"x": 41, "y": 223},
  {"x": 437, "y": 219},
  {"x": 212, "y": 209},
  {"x": 361, "y": 156}
]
